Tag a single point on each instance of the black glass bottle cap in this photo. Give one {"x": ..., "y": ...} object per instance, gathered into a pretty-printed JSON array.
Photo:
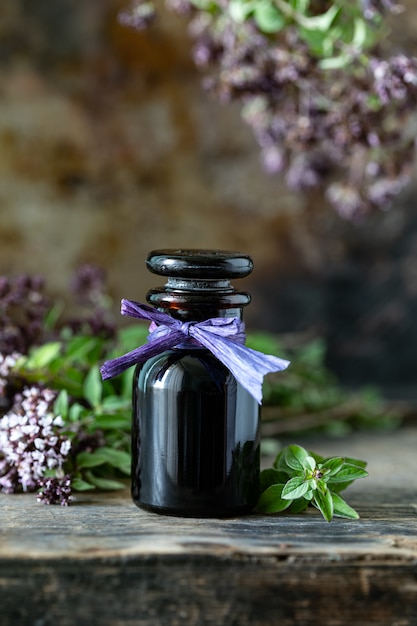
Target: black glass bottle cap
[{"x": 209, "y": 264}]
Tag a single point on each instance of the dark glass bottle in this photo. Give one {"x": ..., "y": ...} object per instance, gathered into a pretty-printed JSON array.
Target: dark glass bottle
[{"x": 195, "y": 436}]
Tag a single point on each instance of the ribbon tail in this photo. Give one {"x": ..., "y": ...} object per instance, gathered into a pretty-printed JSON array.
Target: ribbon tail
[
  {"x": 248, "y": 366},
  {"x": 147, "y": 312},
  {"x": 116, "y": 366}
]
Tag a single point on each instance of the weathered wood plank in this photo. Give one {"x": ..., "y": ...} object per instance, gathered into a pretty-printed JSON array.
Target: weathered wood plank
[{"x": 103, "y": 561}]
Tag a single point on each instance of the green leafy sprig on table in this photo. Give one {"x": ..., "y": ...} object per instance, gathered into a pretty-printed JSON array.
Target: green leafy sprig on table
[
  {"x": 63, "y": 429},
  {"x": 299, "y": 478}
]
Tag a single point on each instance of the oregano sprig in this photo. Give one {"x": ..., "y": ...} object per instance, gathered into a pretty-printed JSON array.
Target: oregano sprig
[
  {"x": 299, "y": 478},
  {"x": 63, "y": 430}
]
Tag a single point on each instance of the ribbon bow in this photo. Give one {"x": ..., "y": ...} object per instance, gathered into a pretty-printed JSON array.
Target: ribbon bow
[{"x": 222, "y": 336}]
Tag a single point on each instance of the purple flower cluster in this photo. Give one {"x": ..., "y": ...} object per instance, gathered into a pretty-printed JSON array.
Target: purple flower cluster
[
  {"x": 34, "y": 446},
  {"x": 90, "y": 294},
  {"x": 23, "y": 305},
  {"x": 35, "y": 443}
]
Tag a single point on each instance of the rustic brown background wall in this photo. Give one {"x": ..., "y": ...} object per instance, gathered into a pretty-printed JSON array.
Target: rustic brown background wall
[{"x": 109, "y": 147}]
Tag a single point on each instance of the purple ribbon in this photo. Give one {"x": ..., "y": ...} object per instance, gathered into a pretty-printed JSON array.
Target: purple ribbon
[{"x": 222, "y": 336}]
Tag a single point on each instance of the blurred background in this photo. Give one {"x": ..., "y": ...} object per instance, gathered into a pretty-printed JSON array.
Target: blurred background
[{"x": 109, "y": 148}]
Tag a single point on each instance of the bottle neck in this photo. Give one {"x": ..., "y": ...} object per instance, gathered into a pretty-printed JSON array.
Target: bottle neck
[{"x": 198, "y": 300}]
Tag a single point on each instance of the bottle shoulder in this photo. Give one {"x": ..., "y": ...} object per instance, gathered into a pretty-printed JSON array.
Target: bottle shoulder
[{"x": 179, "y": 367}]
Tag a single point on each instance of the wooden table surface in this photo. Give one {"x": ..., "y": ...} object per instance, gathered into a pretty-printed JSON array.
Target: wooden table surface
[{"x": 104, "y": 561}]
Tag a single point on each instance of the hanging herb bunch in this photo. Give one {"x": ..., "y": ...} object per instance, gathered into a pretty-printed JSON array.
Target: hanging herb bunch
[{"x": 329, "y": 106}]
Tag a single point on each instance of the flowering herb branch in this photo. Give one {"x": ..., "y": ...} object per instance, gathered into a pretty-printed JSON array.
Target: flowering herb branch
[
  {"x": 299, "y": 478},
  {"x": 94, "y": 418},
  {"x": 61, "y": 429},
  {"x": 328, "y": 104}
]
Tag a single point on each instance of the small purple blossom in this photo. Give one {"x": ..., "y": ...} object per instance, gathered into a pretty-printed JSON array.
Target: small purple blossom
[
  {"x": 181, "y": 7},
  {"x": 394, "y": 77},
  {"x": 139, "y": 15},
  {"x": 272, "y": 159},
  {"x": 7, "y": 363},
  {"x": 346, "y": 199},
  {"x": 55, "y": 490},
  {"x": 375, "y": 8}
]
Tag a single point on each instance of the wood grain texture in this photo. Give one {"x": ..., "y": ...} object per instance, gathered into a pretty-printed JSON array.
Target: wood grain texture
[{"x": 103, "y": 561}]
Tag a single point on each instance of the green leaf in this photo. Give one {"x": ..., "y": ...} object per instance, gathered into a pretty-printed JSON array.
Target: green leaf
[
  {"x": 79, "y": 348},
  {"x": 43, "y": 356},
  {"x": 131, "y": 337},
  {"x": 120, "y": 421},
  {"x": 90, "y": 459},
  {"x": 75, "y": 412},
  {"x": 93, "y": 386},
  {"x": 74, "y": 376},
  {"x": 265, "y": 342},
  {"x": 348, "y": 472},
  {"x": 313, "y": 354},
  {"x": 318, "y": 42},
  {"x": 342, "y": 508},
  {"x": 204, "y": 5},
  {"x": 298, "y": 506},
  {"x": 323, "y": 21},
  {"x": 78, "y": 484},
  {"x": 61, "y": 404},
  {"x": 295, "y": 488},
  {"x": 116, "y": 458},
  {"x": 280, "y": 463},
  {"x": 53, "y": 315},
  {"x": 332, "y": 465},
  {"x": 268, "y": 18},
  {"x": 240, "y": 10},
  {"x": 324, "y": 502},
  {"x": 309, "y": 494},
  {"x": 360, "y": 34},
  {"x": 107, "y": 484},
  {"x": 126, "y": 382},
  {"x": 114, "y": 403},
  {"x": 357, "y": 462},
  {"x": 270, "y": 477},
  {"x": 294, "y": 457},
  {"x": 271, "y": 500},
  {"x": 317, "y": 457},
  {"x": 335, "y": 63},
  {"x": 309, "y": 464},
  {"x": 300, "y": 6}
]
